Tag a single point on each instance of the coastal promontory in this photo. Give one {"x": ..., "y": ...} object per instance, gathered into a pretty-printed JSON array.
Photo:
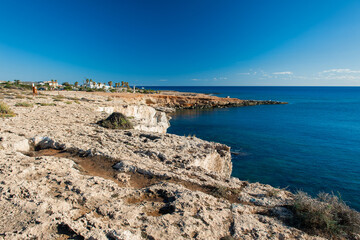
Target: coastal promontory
[{"x": 63, "y": 176}]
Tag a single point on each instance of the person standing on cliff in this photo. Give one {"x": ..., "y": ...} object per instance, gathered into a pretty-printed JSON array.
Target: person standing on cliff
[{"x": 34, "y": 90}]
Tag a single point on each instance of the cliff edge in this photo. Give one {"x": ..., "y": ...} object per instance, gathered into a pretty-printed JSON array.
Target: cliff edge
[{"x": 65, "y": 177}]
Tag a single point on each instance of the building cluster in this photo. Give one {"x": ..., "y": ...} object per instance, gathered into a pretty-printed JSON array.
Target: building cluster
[
  {"x": 88, "y": 84},
  {"x": 95, "y": 85},
  {"x": 52, "y": 84}
]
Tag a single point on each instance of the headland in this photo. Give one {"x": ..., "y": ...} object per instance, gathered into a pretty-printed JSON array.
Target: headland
[{"x": 65, "y": 177}]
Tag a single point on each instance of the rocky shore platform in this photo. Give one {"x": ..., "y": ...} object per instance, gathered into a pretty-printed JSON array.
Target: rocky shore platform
[
  {"x": 62, "y": 176},
  {"x": 182, "y": 100}
]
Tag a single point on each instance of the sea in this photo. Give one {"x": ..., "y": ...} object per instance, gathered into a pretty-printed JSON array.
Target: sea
[{"x": 311, "y": 144}]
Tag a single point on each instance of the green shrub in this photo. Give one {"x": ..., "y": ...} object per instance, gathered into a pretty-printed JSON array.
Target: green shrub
[
  {"x": 116, "y": 121},
  {"x": 5, "y": 111},
  {"x": 23, "y": 104},
  {"x": 68, "y": 102},
  {"x": 327, "y": 215}
]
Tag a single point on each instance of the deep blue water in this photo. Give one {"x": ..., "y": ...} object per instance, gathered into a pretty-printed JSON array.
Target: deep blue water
[{"x": 311, "y": 144}]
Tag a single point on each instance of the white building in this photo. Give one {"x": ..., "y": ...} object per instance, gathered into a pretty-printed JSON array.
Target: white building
[
  {"x": 51, "y": 83},
  {"x": 95, "y": 85}
]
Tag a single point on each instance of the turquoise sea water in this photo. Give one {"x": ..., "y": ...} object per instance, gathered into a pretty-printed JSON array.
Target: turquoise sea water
[{"x": 311, "y": 144}]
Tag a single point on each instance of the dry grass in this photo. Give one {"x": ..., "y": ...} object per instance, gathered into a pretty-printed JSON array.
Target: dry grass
[
  {"x": 327, "y": 215},
  {"x": 5, "y": 110},
  {"x": 73, "y": 98},
  {"x": 24, "y": 104},
  {"x": 19, "y": 96},
  {"x": 46, "y": 104},
  {"x": 58, "y": 98}
]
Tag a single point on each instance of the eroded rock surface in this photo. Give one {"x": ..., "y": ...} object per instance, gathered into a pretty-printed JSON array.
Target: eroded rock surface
[
  {"x": 89, "y": 182},
  {"x": 143, "y": 117}
]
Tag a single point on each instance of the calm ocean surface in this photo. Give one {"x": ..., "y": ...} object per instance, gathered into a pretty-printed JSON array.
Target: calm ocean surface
[{"x": 311, "y": 144}]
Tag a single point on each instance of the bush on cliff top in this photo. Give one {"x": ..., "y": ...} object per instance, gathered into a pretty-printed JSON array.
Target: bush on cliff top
[
  {"x": 116, "y": 121},
  {"x": 5, "y": 111},
  {"x": 326, "y": 215}
]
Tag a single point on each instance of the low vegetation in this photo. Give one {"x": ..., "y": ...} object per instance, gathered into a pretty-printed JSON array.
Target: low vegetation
[
  {"x": 148, "y": 91},
  {"x": 60, "y": 97},
  {"x": 19, "y": 96},
  {"x": 73, "y": 98},
  {"x": 5, "y": 110},
  {"x": 275, "y": 192},
  {"x": 46, "y": 104},
  {"x": 24, "y": 104},
  {"x": 15, "y": 85},
  {"x": 116, "y": 121},
  {"x": 327, "y": 215}
]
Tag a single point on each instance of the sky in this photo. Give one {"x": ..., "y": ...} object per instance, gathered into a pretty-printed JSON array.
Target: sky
[{"x": 182, "y": 43}]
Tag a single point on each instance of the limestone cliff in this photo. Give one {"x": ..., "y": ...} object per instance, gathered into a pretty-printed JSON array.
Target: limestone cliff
[
  {"x": 178, "y": 100},
  {"x": 89, "y": 182}
]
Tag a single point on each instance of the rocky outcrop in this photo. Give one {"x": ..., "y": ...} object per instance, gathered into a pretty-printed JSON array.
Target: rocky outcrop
[
  {"x": 201, "y": 101},
  {"x": 146, "y": 118},
  {"x": 89, "y": 182},
  {"x": 178, "y": 100},
  {"x": 143, "y": 117}
]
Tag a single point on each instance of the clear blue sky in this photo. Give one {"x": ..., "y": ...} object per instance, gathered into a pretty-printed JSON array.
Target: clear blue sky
[{"x": 187, "y": 42}]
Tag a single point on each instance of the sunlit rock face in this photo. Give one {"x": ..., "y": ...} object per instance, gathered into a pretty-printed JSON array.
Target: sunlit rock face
[{"x": 144, "y": 118}]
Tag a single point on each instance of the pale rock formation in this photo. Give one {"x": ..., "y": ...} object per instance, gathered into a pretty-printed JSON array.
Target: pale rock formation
[
  {"x": 114, "y": 184},
  {"x": 144, "y": 118},
  {"x": 108, "y": 110},
  {"x": 14, "y": 142}
]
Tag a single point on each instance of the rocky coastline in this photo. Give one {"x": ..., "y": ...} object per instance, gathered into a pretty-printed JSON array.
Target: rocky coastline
[
  {"x": 179, "y": 100},
  {"x": 62, "y": 176}
]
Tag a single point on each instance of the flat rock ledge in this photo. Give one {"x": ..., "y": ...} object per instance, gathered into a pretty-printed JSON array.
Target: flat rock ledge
[
  {"x": 178, "y": 100},
  {"x": 64, "y": 177}
]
